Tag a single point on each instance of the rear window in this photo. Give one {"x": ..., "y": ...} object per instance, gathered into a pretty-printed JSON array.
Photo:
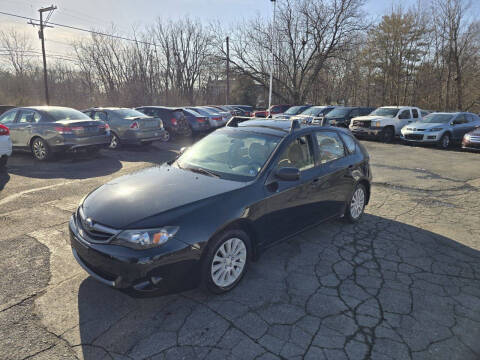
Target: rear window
[
  {"x": 65, "y": 114},
  {"x": 126, "y": 113}
]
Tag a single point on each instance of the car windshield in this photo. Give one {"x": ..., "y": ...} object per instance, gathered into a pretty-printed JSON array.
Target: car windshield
[
  {"x": 437, "y": 118},
  {"x": 229, "y": 154},
  {"x": 210, "y": 111},
  {"x": 387, "y": 112},
  {"x": 66, "y": 114},
  {"x": 126, "y": 113},
  {"x": 314, "y": 111},
  {"x": 294, "y": 110},
  {"x": 338, "y": 112}
]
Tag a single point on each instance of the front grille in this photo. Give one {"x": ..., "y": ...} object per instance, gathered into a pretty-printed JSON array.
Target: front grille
[
  {"x": 475, "y": 138},
  {"x": 360, "y": 123},
  {"x": 414, "y": 136},
  {"x": 96, "y": 232}
]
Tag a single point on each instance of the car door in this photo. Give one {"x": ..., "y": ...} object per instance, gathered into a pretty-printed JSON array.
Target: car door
[
  {"x": 8, "y": 119},
  {"x": 27, "y": 121},
  {"x": 460, "y": 127},
  {"x": 333, "y": 183},
  {"x": 404, "y": 118},
  {"x": 290, "y": 203}
]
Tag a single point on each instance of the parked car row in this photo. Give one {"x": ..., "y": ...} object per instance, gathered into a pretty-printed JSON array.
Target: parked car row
[
  {"x": 46, "y": 130},
  {"x": 410, "y": 124}
]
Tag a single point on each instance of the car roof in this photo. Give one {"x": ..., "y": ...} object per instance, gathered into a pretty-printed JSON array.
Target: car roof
[{"x": 281, "y": 127}]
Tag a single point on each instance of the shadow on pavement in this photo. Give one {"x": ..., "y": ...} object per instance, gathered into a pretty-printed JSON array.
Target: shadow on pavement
[
  {"x": 377, "y": 289},
  {"x": 4, "y": 177}
]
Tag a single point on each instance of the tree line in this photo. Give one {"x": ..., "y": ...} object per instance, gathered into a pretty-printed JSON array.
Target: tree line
[{"x": 324, "y": 52}]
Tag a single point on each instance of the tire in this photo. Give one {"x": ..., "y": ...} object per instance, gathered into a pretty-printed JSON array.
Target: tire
[
  {"x": 40, "y": 150},
  {"x": 356, "y": 206},
  {"x": 114, "y": 142},
  {"x": 188, "y": 132},
  {"x": 219, "y": 273},
  {"x": 445, "y": 141},
  {"x": 388, "y": 134},
  {"x": 3, "y": 161},
  {"x": 166, "y": 136}
]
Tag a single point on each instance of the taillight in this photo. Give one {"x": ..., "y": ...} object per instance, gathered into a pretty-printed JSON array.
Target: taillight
[
  {"x": 134, "y": 125},
  {"x": 201, "y": 119},
  {"x": 217, "y": 118},
  {"x": 4, "y": 130},
  {"x": 63, "y": 129},
  {"x": 173, "y": 121}
]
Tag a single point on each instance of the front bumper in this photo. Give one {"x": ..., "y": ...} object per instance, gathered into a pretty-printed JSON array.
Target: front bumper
[
  {"x": 471, "y": 144},
  {"x": 171, "y": 267},
  {"x": 362, "y": 132},
  {"x": 421, "y": 137}
]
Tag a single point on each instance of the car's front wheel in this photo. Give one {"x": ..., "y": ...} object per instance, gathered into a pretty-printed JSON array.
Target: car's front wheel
[
  {"x": 388, "y": 134},
  {"x": 356, "y": 207},
  {"x": 40, "y": 149},
  {"x": 445, "y": 141},
  {"x": 226, "y": 261}
]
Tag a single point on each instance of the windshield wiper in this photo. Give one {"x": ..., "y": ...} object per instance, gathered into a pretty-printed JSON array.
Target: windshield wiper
[{"x": 202, "y": 171}]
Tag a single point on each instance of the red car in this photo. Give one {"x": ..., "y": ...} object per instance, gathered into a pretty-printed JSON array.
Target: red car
[
  {"x": 274, "y": 109},
  {"x": 471, "y": 140}
]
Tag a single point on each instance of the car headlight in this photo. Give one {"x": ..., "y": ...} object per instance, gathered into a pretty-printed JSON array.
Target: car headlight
[
  {"x": 145, "y": 238},
  {"x": 435, "y": 129},
  {"x": 467, "y": 137}
]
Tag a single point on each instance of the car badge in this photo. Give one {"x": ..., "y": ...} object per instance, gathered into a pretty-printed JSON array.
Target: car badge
[{"x": 88, "y": 223}]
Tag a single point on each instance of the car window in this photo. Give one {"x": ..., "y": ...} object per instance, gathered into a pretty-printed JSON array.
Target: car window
[
  {"x": 469, "y": 117},
  {"x": 349, "y": 143},
  {"x": 330, "y": 147},
  {"x": 29, "y": 116},
  {"x": 405, "y": 114},
  {"x": 8, "y": 117},
  {"x": 298, "y": 154},
  {"x": 355, "y": 113},
  {"x": 460, "y": 119},
  {"x": 415, "y": 113},
  {"x": 230, "y": 154},
  {"x": 100, "y": 115}
]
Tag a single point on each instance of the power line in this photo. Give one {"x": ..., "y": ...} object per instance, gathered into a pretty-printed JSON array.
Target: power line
[{"x": 84, "y": 30}]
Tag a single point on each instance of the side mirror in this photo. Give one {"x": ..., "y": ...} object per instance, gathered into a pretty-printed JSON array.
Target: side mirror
[
  {"x": 288, "y": 173},
  {"x": 183, "y": 149}
]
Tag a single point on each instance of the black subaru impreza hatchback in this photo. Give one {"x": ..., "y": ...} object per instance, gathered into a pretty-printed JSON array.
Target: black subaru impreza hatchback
[{"x": 204, "y": 216}]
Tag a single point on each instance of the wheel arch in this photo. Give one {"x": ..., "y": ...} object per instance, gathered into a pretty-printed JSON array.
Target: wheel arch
[{"x": 367, "y": 186}]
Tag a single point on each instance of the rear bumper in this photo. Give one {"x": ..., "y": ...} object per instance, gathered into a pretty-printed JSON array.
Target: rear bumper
[
  {"x": 5, "y": 146},
  {"x": 167, "y": 269},
  {"x": 74, "y": 143},
  {"x": 138, "y": 137},
  {"x": 199, "y": 127}
]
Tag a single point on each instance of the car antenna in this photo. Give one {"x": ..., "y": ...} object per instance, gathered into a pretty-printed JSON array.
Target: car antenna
[{"x": 295, "y": 125}]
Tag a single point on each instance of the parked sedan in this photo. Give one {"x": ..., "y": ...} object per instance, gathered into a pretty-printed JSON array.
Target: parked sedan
[
  {"x": 234, "y": 193},
  {"x": 442, "y": 129},
  {"x": 273, "y": 110},
  {"x": 173, "y": 120},
  {"x": 197, "y": 122},
  {"x": 214, "y": 118},
  {"x": 5, "y": 145},
  {"x": 223, "y": 113},
  {"x": 471, "y": 140},
  {"x": 45, "y": 130}
]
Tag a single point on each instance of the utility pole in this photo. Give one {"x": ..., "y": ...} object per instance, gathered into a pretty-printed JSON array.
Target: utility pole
[
  {"x": 273, "y": 54},
  {"x": 42, "y": 38},
  {"x": 228, "y": 72}
]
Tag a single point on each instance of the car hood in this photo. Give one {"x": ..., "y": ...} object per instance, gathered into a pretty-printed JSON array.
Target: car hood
[
  {"x": 371, "y": 117},
  {"x": 150, "y": 192},
  {"x": 475, "y": 132}
]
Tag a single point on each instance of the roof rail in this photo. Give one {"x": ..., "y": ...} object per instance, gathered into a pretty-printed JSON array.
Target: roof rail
[
  {"x": 295, "y": 125},
  {"x": 235, "y": 120}
]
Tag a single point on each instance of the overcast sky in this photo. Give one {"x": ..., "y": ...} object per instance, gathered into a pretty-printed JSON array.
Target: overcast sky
[{"x": 100, "y": 14}]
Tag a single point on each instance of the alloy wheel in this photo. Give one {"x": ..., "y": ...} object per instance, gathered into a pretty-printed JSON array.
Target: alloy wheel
[
  {"x": 166, "y": 136},
  {"x": 39, "y": 150},
  {"x": 229, "y": 262},
  {"x": 357, "y": 204},
  {"x": 445, "y": 141},
  {"x": 114, "y": 142}
]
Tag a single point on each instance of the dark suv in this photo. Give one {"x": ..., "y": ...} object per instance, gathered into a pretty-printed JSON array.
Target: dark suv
[
  {"x": 341, "y": 116},
  {"x": 173, "y": 120}
]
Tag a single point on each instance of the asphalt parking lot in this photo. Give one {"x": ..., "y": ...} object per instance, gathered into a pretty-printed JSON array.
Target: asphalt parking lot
[{"x": 404, "y": 283}]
